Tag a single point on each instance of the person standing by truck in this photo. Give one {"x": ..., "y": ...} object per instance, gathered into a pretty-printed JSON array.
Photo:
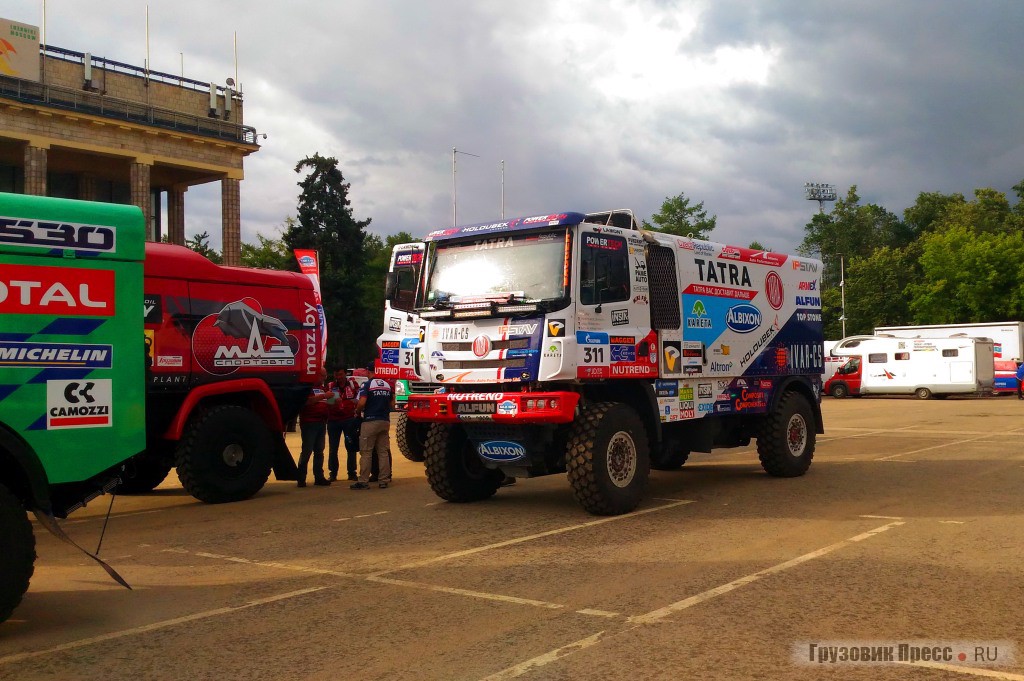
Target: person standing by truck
[
  {"x": 342, "y": 422},
  {"x": 1020, "y": 380},
  {"x": 313, "y": 427},
  {"x": 376, "y": 401}
]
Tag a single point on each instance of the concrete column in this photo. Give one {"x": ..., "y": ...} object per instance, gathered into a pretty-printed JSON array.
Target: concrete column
[
  {"x": 141, "y": 195},
  {"x": 231, "y": 221},
  {"x": 176, "y": 214},
  {"x": 88, "y": 187},
  {"x": 35, "y": 171}
]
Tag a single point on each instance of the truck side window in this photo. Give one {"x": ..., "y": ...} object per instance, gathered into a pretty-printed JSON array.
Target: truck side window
[
  {"x": 952, "y": 352},
  {"x": 604, "y": 269},
  {"x": 878, "y": 358},
  {"x": 405, "y": 292},
  {"x": 903, "y": 355}
]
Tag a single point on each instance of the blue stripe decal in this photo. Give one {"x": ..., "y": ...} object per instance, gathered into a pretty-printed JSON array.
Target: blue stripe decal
[
  {"x": 59, "y": 375},
  {"x": 71, "y": 326},
  {"x": 16, "y": 337},
  {"x": 40, "y": 423},
  {"x": 6, "y": 390}
]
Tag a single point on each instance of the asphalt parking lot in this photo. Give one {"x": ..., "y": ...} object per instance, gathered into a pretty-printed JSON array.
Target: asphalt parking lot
[{"x": 908, "y": 527}]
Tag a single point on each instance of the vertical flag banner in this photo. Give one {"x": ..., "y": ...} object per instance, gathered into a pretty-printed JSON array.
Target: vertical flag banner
[{"x": 310, "y": 266}]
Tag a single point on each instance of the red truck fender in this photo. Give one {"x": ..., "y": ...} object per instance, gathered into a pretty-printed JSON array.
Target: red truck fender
[{"x": 265, "y": 405}]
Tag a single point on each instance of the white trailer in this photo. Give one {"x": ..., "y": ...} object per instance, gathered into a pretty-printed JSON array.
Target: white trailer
[
  {"x": 1008, "y": 337},
  {"x": 917, "y": 366}
]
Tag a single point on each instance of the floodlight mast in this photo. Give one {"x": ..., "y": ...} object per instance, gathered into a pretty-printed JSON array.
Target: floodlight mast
[{"x": 817, "y": 191}]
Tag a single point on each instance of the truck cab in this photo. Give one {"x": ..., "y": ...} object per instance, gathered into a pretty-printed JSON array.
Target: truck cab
[{"x": 846, "y": 380}]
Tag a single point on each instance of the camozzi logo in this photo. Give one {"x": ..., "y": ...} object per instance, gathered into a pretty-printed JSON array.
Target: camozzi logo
[
  {"x": 743, "y": 318},
  {"x": 240, "y": 335}
]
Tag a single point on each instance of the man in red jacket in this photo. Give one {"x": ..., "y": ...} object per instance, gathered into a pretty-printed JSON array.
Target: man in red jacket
[
  {"x": 313, "y": 426},
  {"x": 342, "y": 421}
]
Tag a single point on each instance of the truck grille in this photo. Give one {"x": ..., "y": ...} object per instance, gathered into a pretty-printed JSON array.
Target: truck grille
[
  {"x": 467, "y": 346},
  {"x": 513, "y": 363}
]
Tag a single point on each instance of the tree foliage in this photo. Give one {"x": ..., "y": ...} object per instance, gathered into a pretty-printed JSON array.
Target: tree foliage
[
  {"x": 679, "y": 217},
  {"x": 200, "y": 243},
  {"x": 949, "y": 260},
  {"x": 325, "y": 223}
]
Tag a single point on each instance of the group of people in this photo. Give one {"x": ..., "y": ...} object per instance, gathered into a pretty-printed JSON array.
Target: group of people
[{"x": 359, "y": 415}]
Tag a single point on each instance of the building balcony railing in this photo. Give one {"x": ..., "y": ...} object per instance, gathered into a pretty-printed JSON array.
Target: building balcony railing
[{"x": 85, "y": 102}]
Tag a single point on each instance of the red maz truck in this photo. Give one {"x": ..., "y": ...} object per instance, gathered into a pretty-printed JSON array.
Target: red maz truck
[{"x": 231, "y": 354}]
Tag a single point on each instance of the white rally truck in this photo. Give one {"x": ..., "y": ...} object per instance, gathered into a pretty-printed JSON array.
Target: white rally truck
[{"x": 580, "y": 344}]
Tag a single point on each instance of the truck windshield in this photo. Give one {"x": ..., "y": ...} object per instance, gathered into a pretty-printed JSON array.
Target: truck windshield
[{"x": 527, "y": 267}]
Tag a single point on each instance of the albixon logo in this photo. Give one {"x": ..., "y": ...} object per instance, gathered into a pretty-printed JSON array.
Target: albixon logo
[
  {"x": 743, "y": 318},
  {"x": 501, "y": 450}
]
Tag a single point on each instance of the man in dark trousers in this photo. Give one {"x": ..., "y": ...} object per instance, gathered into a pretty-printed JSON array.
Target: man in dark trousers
[
  {"x": 342, "y": 422},
  {"x": 376, "y": 400},
  {"x": 1020, "y": 379},
  {"x": 313, "y": 426}
]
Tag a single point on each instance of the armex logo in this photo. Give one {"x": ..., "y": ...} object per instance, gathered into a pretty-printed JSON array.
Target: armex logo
[
  {"x": 501, "y": 450},
  {"x": 743, "y": 318}
]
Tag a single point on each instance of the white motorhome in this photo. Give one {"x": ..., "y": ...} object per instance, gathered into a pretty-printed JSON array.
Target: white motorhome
[
  {"x": 880, "y": 365},
  {"x": 1008, "y": 337}
]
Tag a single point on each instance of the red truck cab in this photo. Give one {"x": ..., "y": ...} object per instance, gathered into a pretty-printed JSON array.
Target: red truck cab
[{"x": 846, "y": 380}]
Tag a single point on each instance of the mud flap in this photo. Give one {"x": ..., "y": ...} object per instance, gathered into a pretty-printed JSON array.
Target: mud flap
[
  {"x": 49, "y": 522},
  {"x": 284, "y": 463}
]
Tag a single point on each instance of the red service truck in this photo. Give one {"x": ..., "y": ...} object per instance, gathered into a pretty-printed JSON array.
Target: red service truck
[{"x": 580, "y": 344}]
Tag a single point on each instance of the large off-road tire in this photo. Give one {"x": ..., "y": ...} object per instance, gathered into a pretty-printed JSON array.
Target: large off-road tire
[
  {"x": 786, "y": 440},
  {"x": 225, "y": 455},
  {"x": 607, "y": 459},
  {"x": 840, "y": 390},
  {"x": 412, "y": 437},
  {"x": 454, "y": 470},
  {"x": 17, "y": 552},
  {"x": 143, "y": 472}
]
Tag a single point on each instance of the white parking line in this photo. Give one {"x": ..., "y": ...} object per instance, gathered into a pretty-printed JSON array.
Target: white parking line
[
  {"x": 467, "y": 592},
  {"x": 662, "y": 613},
  {"x": 17, "y": 657},
  {"x": 927, "y": 449},
  {"x": 990, "y": 673},
  {"x": 658, "y": 615},
  {"x": 548, "y": 658},
  {"x": 539, "y": 535}
]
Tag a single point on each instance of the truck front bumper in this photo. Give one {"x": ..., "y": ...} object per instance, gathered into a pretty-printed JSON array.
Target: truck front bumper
[{"x": 529, "y": 407}]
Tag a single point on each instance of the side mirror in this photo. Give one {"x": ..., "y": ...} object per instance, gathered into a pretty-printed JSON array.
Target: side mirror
[{"x": 390, "y": 286}]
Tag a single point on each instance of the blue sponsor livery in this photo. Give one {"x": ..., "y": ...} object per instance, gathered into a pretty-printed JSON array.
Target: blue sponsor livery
[
  {"x": 389, "y": 356},
  {"x": 410, "y": 342},
  {"x": 76, "y": 355},
  {"x": 743, "y": 318},
  {"x": 501, "y": 450},
  {"x": 591, "y": 338}
]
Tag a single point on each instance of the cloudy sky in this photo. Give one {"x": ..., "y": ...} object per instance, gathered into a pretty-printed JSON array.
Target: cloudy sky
[{"x": 591, "y": 105}]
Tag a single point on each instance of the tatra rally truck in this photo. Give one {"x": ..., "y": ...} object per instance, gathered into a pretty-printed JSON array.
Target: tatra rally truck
[
  {"x": 121, "y": 359},
  {"x": 580, "y": 343}
]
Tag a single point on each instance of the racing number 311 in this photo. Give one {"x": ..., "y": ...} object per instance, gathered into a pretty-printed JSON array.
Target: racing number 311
[{"x": 593, "y": 355}]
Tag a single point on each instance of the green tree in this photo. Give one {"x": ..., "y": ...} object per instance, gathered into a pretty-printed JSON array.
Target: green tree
[
  {"x": 325, "y": 223},
  {"x": 928, "y": 209},
  {"x": 874, "y": 288},
  {"x": 969, "y": 276},
  {"x": 852, "y": 229},
  {"x": 200, "y": 243},
  {"x": 757, "y": 246},
  {"x": 679, "y": 217},
  {"x": 269, "y": 253},
  {"x": 378, "y": 259}
]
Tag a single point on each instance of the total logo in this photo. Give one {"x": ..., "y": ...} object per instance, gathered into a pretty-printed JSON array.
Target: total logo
[
  {"x": 743, "y": 318},
  {"x": 29, "y": 289},
  {"x": 501, "y": 450}
]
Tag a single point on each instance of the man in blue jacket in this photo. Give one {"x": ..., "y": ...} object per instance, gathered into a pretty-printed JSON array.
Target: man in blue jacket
[
  {"x": 1020, "y": 379},
  {"x": 376, "y": 400}
]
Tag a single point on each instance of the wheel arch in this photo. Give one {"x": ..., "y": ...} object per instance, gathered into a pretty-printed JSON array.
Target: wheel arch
[
  {"x": 252, "y": 393},
  {"x": 22, "y": 471},
  {"x": 639, "y": 395},
  {"x": 801, "y": 385}
]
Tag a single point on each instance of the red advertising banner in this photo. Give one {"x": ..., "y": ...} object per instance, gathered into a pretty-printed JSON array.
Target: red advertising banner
[{"x": 309, "y": 264}]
